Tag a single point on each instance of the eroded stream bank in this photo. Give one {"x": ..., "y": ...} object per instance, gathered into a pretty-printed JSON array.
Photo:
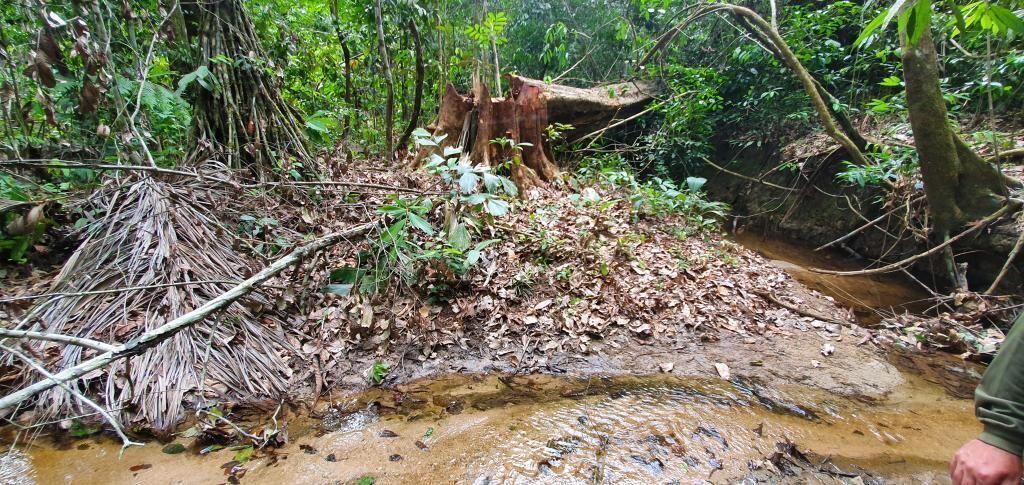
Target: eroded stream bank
[
  {"x": 866, "y": 295},
  {"x": 627, "y": 429}
]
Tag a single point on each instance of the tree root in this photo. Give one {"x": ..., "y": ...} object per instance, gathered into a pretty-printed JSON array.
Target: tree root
[
  {"x": 1006, "y": 266},
  {"x": 1009, "y": 208},
  {"x": 870, "y": 224}
]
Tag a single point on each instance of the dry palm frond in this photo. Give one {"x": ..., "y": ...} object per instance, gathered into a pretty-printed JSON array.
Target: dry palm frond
[{"x": 156, "y": 232}]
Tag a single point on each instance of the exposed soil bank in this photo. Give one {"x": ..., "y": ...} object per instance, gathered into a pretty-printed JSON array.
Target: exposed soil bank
[
  {"x": 866, "y": 295},
  {"x": 820, "y": 210}
]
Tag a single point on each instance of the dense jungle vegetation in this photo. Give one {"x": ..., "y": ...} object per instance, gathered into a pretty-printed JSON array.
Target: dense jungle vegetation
[{"x": 202, "y": 188}]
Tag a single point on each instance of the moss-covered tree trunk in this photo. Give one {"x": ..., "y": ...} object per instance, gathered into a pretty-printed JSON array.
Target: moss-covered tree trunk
[
  {"x": 240, "y": 117},
  {"x": 960, "y": 186}
]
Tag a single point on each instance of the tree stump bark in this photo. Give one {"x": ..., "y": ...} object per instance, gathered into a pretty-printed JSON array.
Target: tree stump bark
[{"x": 473, "y": 121}]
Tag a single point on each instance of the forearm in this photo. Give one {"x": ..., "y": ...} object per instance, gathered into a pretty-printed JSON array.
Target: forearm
[{"x": 999, "y": 399}]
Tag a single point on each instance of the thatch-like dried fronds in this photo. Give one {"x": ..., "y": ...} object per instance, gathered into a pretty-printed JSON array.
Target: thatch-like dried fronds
[{"x": 156, "y": 233}]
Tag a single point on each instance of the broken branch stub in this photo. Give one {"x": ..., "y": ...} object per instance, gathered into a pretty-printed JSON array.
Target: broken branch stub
[{"x": 473, "y": 121}]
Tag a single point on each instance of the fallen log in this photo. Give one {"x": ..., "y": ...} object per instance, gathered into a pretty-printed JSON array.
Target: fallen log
[{"x": 473, "y": 121}]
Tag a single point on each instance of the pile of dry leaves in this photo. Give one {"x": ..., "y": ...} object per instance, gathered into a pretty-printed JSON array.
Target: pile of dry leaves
[
  {"x": 562, "y": 275},
  {"x": 569, "y": 275}
]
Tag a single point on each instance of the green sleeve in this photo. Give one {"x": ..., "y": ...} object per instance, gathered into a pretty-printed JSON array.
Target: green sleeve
[{"x": 999, "y": 399}]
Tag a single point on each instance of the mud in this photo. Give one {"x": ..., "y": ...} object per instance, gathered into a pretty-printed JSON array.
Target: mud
[
  {"x": 544, "y": 429},
  {"x": 869, "y": 296}
]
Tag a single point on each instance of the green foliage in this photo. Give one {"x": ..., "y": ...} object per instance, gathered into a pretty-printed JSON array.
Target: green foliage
[
  {"x": 68, "y": 91},
  {"x": 913, "y": 16},
  {"x": 891, "y": 163},
  {"x": 174, "y": 448},
  {"x": 684, "y": 136},
  {"x": 79, "y": 429},
  {"x": 490, "y": 30},
  {"x": 260, "y": 231},
  {"x": 244, "y": 454},
  {"x": 656, "y": 196},
  {"x": 555, "y": 55},
  {"x": 413, "y": 250},
  {"x": 377, "y": 373}
]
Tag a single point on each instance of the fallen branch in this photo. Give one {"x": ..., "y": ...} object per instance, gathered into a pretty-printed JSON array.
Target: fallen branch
[
  {"x": 747, "y": 177},
  {"x": 597, "y": 134},
  {"x": 167, "y": 171},
  {"x": 798, "y": 310},
  {"x": 159, "y": 334},
  {"x": 56, "y": 337},
  {"x": 1014, "y": 153},
  {"x": 363, "y": 185},
  {"x": 1008, "y": 208},
  {"x": 39, "y": 163},
  {"x": 125, "y": 442},
  {"x": 114, "y": 290},
  {"x": 865, "y": 226}
]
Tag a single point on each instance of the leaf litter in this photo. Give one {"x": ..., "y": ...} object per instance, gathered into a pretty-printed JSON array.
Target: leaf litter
[{"x": 565, "y": 277}]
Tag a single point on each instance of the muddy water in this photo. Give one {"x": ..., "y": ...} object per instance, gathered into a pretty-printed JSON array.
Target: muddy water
[
  {"x": 534, "y": 429},
  {"x": 867, "y": 295}
]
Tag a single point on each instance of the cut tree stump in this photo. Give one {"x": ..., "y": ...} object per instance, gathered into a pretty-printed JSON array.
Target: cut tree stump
[{"x": 472, "y": 121}]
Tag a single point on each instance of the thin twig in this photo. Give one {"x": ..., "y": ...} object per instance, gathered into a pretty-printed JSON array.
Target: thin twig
[
  {"x": 597, "y": 134},
  {"x": 866, "y": 226},
  {"x": 56, "y": 337},
  {"x": 393, "y": 188},
  {"x": 167, "y": 171},
  {"x": 51, "y": 163},
  {"x": 1006, "y": 266},
  {"x": 1010, "y": 207},
  {"x": 117, "y": 290},
  {"x": 746, "y": 177}
]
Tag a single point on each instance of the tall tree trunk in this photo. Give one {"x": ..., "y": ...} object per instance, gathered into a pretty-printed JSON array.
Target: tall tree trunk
[
  {"x": 347, "y": 55},
  {"x": 417, "y": 103},
  {"x": 960, "y": 186},
  {"x": 389, "y": 80},
  {"x": 242, "y": 117}
]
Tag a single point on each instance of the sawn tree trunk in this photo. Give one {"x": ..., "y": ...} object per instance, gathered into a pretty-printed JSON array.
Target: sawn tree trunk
[{"x": 473, "y": 121}]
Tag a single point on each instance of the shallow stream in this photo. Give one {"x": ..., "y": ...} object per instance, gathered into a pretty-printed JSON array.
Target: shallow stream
[{"x": 545, "y": 429}]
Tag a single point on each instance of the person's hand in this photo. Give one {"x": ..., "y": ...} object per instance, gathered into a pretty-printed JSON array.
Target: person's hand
[{"x": 979, "y": 463}]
